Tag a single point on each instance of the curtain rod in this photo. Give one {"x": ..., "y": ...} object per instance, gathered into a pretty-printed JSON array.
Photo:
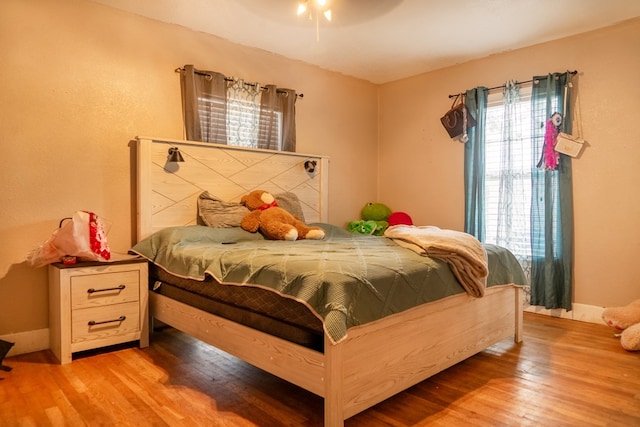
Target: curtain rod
[
  {"x": 231, "y": 79},
  {"x": 503, "y": 86}
]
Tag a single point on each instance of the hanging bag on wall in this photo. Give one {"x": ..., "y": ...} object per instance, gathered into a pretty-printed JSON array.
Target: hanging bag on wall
[
  {"x": 568, "y": 144},
  {"x": 457, "y": 120}
]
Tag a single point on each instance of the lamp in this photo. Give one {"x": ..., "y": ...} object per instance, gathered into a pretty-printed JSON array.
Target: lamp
[
  {"x": 175, "y": 155},
  {"x": 310, "y": 166},
  {"x": 317, "y": 6}
]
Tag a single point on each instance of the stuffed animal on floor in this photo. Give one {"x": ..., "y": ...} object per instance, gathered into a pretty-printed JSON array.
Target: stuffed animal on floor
[
  {"x": 627, "y": 320},
  {"x": 272, "y": 221}
]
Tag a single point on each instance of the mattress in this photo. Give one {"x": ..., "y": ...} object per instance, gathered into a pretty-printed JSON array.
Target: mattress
[{"x": 256, "y": 308}]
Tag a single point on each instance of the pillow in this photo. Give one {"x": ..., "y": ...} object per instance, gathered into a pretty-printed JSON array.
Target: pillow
[
  {"x": 290, "y": 202},
  {"x": 214, "y": 212}
]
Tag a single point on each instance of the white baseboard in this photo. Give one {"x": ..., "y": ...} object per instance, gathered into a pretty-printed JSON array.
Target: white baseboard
[
  {"x": 28, "y": 341},
  {"x": 580, "y": 312}
]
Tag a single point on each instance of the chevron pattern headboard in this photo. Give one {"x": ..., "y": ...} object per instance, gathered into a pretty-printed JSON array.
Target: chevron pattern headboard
[{"x": 167, "y": 192}]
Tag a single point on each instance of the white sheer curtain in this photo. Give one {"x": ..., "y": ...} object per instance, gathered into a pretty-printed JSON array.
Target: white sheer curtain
[
  {"x": 243, "y": 112},
  {"x": 514, "y": 202}
]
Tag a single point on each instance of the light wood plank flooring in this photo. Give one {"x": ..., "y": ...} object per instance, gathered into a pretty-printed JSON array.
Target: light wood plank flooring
[{"x": 565, "y": 373}]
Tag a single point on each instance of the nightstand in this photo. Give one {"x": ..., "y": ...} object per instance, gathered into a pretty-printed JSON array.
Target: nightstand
[{"x": 97, "y": 304}]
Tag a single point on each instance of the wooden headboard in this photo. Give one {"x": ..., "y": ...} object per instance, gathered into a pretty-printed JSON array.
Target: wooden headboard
[{"x": 167, "y": 192}]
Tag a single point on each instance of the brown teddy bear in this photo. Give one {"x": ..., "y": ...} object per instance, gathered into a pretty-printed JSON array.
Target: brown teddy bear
[
  {"x": 627, "y": 320},
  {"x": 273, "y": 221}
]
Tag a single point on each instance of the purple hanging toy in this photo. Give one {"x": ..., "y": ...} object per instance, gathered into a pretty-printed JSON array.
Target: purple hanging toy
[{"x": 550, "y": 157}]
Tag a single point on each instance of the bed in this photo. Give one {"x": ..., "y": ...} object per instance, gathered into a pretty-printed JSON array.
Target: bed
[{"x": 355, "y": 350}]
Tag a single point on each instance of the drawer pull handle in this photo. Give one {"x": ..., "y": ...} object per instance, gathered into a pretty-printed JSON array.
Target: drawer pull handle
[
  {"x": 119, "y": 319},
  {"x": 117, "y": 288}
]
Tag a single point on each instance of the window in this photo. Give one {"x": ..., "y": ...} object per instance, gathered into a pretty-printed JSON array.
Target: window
[
  {"x": 509, "y": 161},
  {"x": 212, "y": 114},
  {"x": 241, "y": 119},
  {"x": 225, "y": 110},
  {"x": 511, "y": 135}
]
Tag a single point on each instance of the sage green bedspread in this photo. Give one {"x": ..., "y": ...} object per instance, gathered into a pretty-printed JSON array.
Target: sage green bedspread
[{"x": 347, "y": 279}]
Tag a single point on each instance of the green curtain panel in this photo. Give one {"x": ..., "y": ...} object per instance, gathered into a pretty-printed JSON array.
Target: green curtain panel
[
  {"x": 474, "y": 164},
  {"x": 551, "y": 201}
]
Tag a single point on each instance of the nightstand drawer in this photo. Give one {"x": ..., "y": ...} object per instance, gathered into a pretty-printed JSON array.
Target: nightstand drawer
[
  {"x": 105, "y": 288},
  {"x": 104, "y": 322}
]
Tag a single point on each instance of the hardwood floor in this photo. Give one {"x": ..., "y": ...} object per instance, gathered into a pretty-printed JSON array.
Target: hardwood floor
[{"x": 565, "y": 373}]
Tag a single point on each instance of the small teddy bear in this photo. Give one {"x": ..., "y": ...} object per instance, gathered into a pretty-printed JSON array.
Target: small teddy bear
[
  {"x": 273, "y": 221},
  {"x": 627, "y": 320}
]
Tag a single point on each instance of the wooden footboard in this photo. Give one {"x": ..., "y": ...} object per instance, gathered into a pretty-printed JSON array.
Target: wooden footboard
[
  {"x": 385, "y": 357},
  {"x": 376, "y": 360}
]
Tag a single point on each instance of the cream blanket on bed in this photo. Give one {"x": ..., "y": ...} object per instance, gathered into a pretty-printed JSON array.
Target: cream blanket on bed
[{"x": 464, "y": 254}]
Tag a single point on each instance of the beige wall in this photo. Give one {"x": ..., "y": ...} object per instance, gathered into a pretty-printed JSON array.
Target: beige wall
[
  {"x": 421, "y": 169},
  {"x": 79, "y": 80}
]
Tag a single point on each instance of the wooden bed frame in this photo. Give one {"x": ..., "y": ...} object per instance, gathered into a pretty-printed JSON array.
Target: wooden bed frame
[{"x": 376, "y": 360}]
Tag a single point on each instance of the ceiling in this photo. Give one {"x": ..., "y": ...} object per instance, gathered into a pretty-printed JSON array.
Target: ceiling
[{"x": 386, "y": 40}]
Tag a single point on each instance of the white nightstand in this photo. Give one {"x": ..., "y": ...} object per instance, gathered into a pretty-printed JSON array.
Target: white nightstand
[{"x": 95, "y": 305}]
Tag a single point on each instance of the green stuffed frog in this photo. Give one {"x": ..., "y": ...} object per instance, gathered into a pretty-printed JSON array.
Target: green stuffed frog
[
  {"x": 373, "y": 221},
  {"x": 362, "y": 226}
]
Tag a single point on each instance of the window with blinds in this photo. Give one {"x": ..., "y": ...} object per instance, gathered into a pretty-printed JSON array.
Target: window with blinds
[
  {"x": 240, "y": 120},
  {"x": 213, "y": 117},
  {"x": 508, "y": 166}
]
